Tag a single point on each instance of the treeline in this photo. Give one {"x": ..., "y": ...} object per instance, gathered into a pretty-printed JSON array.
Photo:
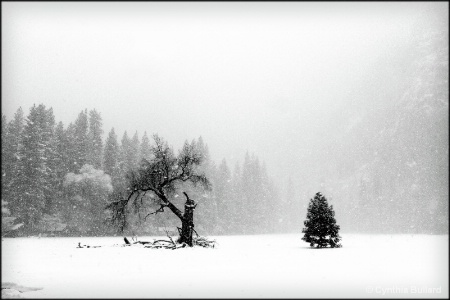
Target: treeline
[{"x": 58, "y": 179}]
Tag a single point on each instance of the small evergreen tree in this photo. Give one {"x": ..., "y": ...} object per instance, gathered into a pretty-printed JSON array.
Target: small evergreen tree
[{"x": 320, "y": 225}]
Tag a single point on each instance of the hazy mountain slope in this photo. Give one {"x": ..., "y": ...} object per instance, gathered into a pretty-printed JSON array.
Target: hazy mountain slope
[{"x": 387, "y": 165}]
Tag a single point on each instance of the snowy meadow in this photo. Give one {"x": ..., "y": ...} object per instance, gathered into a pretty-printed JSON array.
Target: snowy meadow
[{"x": 257, "y": 266}]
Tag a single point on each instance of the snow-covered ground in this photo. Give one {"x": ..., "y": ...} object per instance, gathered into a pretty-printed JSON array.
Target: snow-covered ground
[{"x": 258, "y": 266}]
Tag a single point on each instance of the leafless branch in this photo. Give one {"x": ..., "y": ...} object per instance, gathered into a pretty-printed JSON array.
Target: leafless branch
[
  {"x": 196, "y": 232},
  {"x": 160, "y": 209}
]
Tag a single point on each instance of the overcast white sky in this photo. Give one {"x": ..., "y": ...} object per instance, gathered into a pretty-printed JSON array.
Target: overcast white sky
[{"x": 246, "y": 76}]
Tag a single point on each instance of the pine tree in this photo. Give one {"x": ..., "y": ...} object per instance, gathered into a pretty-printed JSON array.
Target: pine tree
[
  {"x": 6, "y": 158},
  {"x": 33, "y": 178},
  {"x": 61, "y": 162},
  {"x": 51, "y": 158},
  {"x": 222, "y": 192},
  {"x": 237, "y": 214},
  {"x": 273, "y": 204},
  {"x": 289, "y": 209},
  {"x": 267, "y": 199},
  {"x": 246, "y": 220},
  {"x": 320, "y": 225},
  {"x": 71, "y": 149},
  {"x": 124, "y": 157},
  {"x": 95, "y": 143},
  {"x": 207, "y": 208},
  {"x": 4, "y": 124},
  {"x": 81, "y": 140},
  {"x": 61, "y": 151},
  {"x": 12, "y": 134},
  {"x": 111, "y": 159},
  {"x": 133, "y": 154},
  {"x": 145, "y": 150},
  {"x": 254, "y": 196},
  {"x": 257, "y": 196}
]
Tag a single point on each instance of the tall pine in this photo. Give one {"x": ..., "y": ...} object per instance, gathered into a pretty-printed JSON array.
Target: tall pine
[
  {"x": 223, "y": 196},
  {"x": 52, "y": 161},
  {"x": 111, "y": 159},
  {"x": 71, "y": 149},
  {"x": 81, "y": 141},
  {"x": 33, "y": 179},
  {"x": 61, "y": 161},
  {"x": 144, "y": 149},
  {"x": 95, "y": 143},
  {"x": 207, "y": 206},
  {"x": 133, "y": 155},
  {"x": 238, "y": 215},
  {"x": 12, "y": 135},
  {"x": 124, "y": 157}
]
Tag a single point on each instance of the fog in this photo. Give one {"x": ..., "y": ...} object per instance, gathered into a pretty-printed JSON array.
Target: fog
[{"x": 285, "y": 81}]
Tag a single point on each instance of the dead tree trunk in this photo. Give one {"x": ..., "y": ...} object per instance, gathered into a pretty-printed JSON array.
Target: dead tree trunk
[{"x": 187, "y": 228}]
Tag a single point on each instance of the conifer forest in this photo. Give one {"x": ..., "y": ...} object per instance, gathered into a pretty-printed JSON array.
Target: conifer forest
[{"x": 59, "y": 179}]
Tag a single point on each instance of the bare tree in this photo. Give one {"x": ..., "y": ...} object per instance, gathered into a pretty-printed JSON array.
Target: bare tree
[{"x": 162, "y": 176}]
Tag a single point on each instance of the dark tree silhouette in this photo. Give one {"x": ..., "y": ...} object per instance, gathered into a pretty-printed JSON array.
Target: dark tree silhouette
[
  {"x": 161, "y": 176},
  {"x": 320, "y": 225}
]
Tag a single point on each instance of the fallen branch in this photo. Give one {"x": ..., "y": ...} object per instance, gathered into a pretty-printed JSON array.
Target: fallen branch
[
  {"x": 171, "y": 244},
  {"x": 166, "y": 244},
  {"x": 87, "y": 246},
  {"x": 204, "y": 242}
]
